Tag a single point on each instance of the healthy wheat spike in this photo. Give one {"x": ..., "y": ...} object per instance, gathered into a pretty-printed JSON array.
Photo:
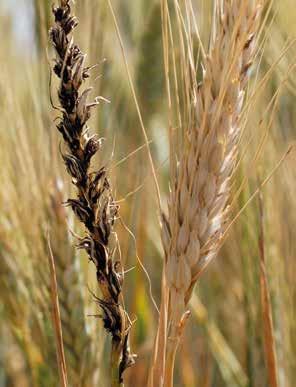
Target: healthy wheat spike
[
  {"x": 198, "y": 209},
  {"x": 94, "y": 205}
]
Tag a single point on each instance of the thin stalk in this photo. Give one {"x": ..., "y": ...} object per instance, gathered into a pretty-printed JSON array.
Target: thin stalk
[
  {"x": 269, "y": 341},
  {"x": 172, "y": 346},
  {"x": 173, "y": 342},
  {"x": 56, "y": 317}
]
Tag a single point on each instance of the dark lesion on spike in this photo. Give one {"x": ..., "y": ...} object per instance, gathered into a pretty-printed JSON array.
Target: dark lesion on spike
[
  {"x": 57, "y": 68},
  {"x": 72, "y": 126},
  {"x": 76, "y": 169},
  {"x": 112, "y": 318},
  {"x": 70, "y": 133},
  {"x": 93, "y": 144},
  {"x": 82, "y": 211},
  {"x": 249, "y": 41},
  {"x": 94, "y": 195},
  {"x": 246, "y": 68},
  {"x": 68, "y": 98},
  {"x": 96, "y": 251},
  {"x": 59, "y": 40},
  {"x": 104, "y": 221},
  {"x": 97, "y": 177},
  {"x": 64, "y": 19},
  {"x": 114, "y": 281}
]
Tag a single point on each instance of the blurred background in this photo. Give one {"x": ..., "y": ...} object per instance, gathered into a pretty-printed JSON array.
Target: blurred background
[{"x": 224, "y": 341}]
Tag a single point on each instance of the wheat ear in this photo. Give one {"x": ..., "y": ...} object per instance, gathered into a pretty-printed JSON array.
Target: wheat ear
[
  {"x": 94, "y": 205},
  {"x": 198, "y": 211}
]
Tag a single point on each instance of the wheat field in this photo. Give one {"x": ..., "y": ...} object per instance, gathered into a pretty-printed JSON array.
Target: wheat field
[{"x": 148, "y": 177}]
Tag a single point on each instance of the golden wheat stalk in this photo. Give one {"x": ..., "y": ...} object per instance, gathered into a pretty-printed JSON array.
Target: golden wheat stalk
[
  {"x": 198, "y": 211},
  {"x": 94, "y": 206},
  {"x": 269, "y": 338}
]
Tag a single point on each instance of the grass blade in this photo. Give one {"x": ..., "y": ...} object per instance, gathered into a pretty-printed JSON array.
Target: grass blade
[
  {"x": 56, "y": 318},
  {"x": 269, "y": 341}
]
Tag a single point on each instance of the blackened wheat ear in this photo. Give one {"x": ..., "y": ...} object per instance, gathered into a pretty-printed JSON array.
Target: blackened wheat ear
[{"x": 94, "y": 205}]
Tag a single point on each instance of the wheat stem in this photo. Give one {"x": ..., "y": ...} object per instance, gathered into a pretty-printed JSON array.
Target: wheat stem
[{"x": 172, "y": 346}]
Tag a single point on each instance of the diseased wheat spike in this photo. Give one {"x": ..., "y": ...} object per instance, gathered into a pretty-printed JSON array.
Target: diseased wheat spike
[
  {"x": 94, "y": 205},
  {"x": 198, "y": 209}
]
